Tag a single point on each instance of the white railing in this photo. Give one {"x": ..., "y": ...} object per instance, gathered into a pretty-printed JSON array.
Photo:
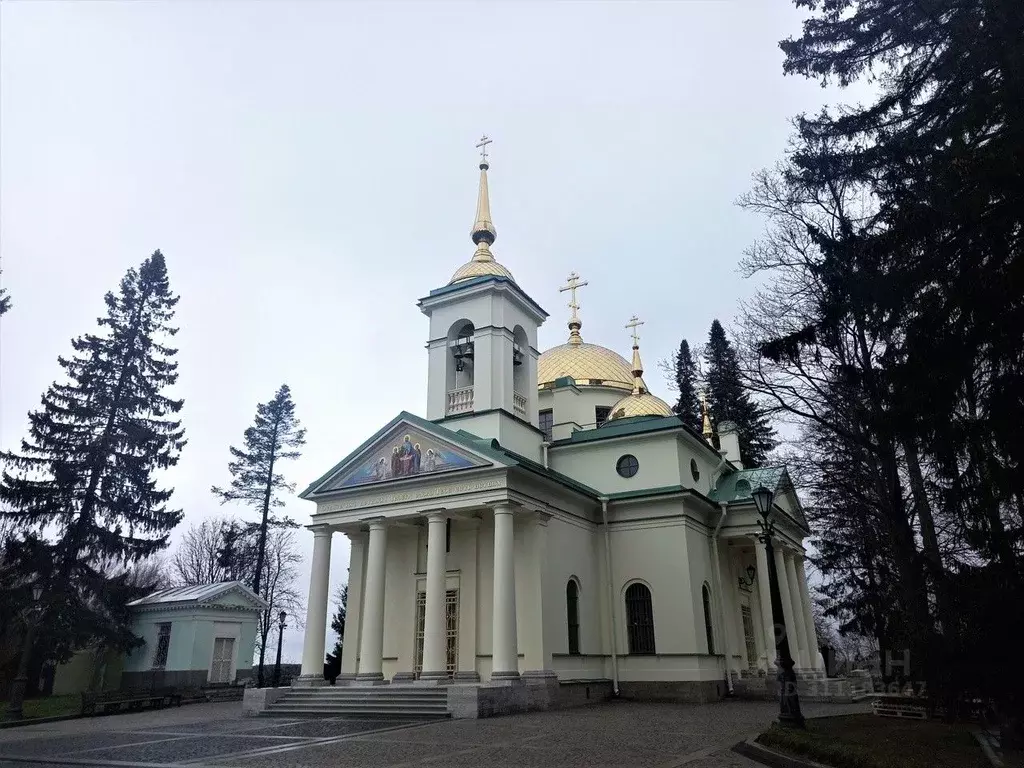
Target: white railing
[
  {"x": 460, "y": 400},
  {"x": 519, "y": 405}
]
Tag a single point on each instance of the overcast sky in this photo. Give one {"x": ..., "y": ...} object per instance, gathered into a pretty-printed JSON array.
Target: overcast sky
[{"x": 309, "y": 171}]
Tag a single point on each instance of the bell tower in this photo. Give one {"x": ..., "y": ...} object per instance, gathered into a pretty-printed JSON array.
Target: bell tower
[{"x": 482, "y": 349}]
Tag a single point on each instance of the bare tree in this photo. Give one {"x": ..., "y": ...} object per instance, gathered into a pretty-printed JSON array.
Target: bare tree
[
  {"x": 279, "y": 586},
  {"x": 197, "y": 558}
]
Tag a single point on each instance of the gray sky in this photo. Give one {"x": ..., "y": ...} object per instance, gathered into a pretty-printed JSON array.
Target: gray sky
[{"x": 308, "y": 170}]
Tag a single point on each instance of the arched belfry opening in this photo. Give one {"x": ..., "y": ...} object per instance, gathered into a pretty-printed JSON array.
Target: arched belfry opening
[
  {"x": 521, "y": 386},
  {"x": 461, "y": 362}
]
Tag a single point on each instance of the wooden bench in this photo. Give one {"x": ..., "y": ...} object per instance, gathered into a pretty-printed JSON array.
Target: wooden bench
[
  {"x": 900, "y": 706},
  {"x": 112, "y": 701}
]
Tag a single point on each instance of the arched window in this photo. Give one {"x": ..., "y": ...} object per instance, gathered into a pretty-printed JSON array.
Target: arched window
[
  {"x": 639, "y": 619},
  {"x": 572, "y": 615},
  {"x": 706, "y": 595}
]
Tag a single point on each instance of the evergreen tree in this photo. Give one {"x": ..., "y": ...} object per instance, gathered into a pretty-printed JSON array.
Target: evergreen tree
[
  {"x": 687, "y": 407},
  {"x": 729, "y": 402},
  {"x": 275, "y": 435},
  {"x": 81, "y": 489},
  {"x": 338, "y": 620}
]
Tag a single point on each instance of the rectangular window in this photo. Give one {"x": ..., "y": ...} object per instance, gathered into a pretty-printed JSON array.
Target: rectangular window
[
  {"x": 748, "y": 637},
  {"x": 547, "y": 421},
  {"x": 601, "y": 414},
  {"x": 448, "y": 535},
  {"x": 163, "y": 644}
]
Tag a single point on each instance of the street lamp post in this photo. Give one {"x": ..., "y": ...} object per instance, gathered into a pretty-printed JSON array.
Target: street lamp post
[
  {"x": 20, "y": 683},
  {"x": 789, "y": 700},
  {"x": 280, "y": 633}
]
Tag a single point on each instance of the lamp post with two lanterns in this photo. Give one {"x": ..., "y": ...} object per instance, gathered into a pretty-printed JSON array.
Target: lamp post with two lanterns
[{"x": 789, "y": 700}]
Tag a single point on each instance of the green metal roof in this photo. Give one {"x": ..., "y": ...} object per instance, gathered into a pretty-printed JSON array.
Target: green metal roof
[
  {"x": 622, "y": 428},
  {"x": 480, "y": 280},
  {"x": 739, "y": 485}
]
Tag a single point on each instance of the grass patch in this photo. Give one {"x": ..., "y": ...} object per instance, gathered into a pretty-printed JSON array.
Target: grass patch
[
  {"x": 48, "y": 706},
  {"x": 868, "y": 741}
]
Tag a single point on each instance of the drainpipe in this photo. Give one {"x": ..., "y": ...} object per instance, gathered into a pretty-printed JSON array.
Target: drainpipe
[
  {"x": 611, "y": 597},
  {"x": 713, "y": 480},
  {"x": 721, "y": 598},
  {"x": 544, "y": 447}
]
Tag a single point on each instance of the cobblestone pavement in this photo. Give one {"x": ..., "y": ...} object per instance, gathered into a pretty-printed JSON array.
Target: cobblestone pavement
[{"x": 217, "y": 736}]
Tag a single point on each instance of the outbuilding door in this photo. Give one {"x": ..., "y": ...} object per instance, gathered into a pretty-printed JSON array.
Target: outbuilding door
[{"x": 223, "y": 658}]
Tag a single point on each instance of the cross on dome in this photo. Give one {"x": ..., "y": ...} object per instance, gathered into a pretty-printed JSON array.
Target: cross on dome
[
  {"x": 634, "y": 323},
  {"x": 573, "y": 283},
  {"x": 482, "y": 146}
]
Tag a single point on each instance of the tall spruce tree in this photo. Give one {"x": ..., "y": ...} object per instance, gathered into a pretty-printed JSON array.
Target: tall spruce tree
[
  {"x": 729, "y": 402},
  {"x": 275, "y": 436},
  {"x": 81, "y": 489},
  {"x": 687, "y": 407}
]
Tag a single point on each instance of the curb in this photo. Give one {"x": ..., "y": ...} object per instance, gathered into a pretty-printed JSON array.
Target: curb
[
  {"x": 761, "y": 754},
  {"x": 985, "y": 741},
  {"x": 37, "y": 721}
]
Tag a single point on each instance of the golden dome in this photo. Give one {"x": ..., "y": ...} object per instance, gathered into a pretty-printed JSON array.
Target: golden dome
[
  {"x": 642, "y": 404},
  {"x": 477, "y": 267},
  {"x": 588, "y": 364}
]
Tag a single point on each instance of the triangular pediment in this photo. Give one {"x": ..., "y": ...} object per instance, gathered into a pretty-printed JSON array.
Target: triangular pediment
[{"x": 404, "y": 451}]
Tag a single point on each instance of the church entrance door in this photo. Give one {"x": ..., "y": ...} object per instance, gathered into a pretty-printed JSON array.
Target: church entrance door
[{"x": 451, "y": 622}]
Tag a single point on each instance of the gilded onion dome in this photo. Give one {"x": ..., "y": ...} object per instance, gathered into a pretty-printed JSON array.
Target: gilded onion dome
[
  {"x": 483, "y": 232},
  {"x": 640, "y": 402},
  {"x": 589, "y": 365}
]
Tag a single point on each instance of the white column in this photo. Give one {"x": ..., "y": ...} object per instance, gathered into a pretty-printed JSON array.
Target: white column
[
  {"x": 805, "y": 600},
  {"x": 371, "y": 640},
  {"x": 800, "y": 629},
  {"x": 787, "y": 604},
  {"x": 729, "y": 611},
  {"x": 316, "y": 609},
  {"x": 765, "y": 595},
  {"x": 435, "y": 662},
  {"x": 467, "y": 534},
  {"x": 350, "y": 645},
  {"x": 504, "y": 649}
]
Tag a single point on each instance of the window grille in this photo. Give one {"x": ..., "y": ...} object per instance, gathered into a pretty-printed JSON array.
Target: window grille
[
  {"x": 708, "y": 626},
  {"x": 572, "y": 609},
  {"x": 639, "y": 619},
  {"x": 163, "y": 645}
]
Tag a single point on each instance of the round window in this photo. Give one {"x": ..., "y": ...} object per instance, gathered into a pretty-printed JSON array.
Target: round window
[
  {"x": 627, "y": 465},
  {"x": 694, "y": 470}
]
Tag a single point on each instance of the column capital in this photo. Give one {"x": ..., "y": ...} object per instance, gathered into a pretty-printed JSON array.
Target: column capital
[
  {"x": 320, "y": 531},
  {"x": 500, "y": 507},
  {"x": 435, "y": 515},
  {"x": 375, "y": 523}
]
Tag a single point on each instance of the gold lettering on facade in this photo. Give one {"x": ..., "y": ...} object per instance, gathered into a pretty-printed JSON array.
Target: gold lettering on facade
[{"x": 402, "y": 497}]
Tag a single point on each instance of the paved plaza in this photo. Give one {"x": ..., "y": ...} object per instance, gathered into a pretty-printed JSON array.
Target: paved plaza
[{"x": 618, "y": 734}]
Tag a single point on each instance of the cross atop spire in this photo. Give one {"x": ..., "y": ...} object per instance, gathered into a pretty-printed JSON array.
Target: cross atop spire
[
  {"x": 573, "y": 282},
  {"x": 634, "y": 323},
  {"x": 483, "y": 232},
  {"x": 482, "y": 146}
]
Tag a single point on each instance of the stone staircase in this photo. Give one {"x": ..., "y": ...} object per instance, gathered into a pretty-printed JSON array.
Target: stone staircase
[{"x": 369, "y": 702}]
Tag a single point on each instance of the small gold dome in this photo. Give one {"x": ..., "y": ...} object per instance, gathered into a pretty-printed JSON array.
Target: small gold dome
[
  {"x": 587, "y": 364},
  {"x": 477, "y": 268},
  {"x": 642, "y": 404}
]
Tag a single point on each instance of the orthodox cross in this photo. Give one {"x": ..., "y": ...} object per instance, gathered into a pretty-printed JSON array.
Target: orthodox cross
[
  {"x": 634, "y": 323},
  {"x": 574, "y": 282},
  {"x": 482, "y": 146}
]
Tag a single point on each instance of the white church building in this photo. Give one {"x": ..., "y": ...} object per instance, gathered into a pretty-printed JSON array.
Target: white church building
[{"x": 549, "y": 518}]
